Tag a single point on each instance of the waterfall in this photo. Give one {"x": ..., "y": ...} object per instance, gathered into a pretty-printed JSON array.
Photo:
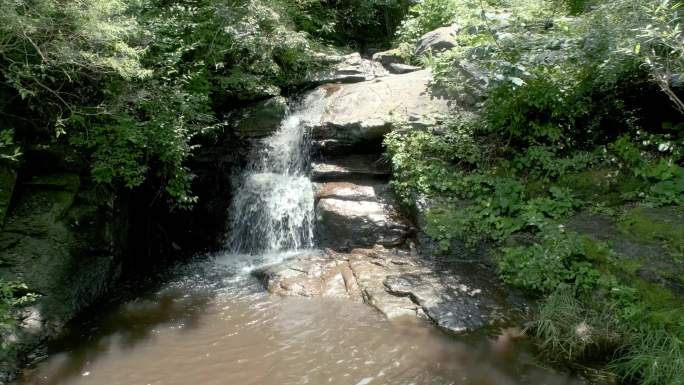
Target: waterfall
[{"x": 273, "y": 208}]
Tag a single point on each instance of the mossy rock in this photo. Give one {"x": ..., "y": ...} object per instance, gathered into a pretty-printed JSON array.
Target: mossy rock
[
  {"x": 643, "y": 242},
  {"x": 60, "y": 244},
  {"x": 605, "y": 185},
  {"x": 8, "y": 179},
  {"x": 262, "y": 118},
  {"x": 660, "y": 225},
  {"x": 61, "y": 181}
]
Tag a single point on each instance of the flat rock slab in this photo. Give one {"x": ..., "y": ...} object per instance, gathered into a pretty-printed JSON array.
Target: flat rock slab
[
  {"x": 368, "y": 190},
  {"x": 350, "y": 68},
  {"x": 362, "y": 113},
  {"x": 396, "y": 283},
  {"x": 398, "y": 68},
  {"x": 350, "y": 167},
  {"x": 345, "y": 224}
]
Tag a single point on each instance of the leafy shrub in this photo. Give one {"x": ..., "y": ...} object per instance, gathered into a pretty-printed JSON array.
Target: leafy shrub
[
  {"x": 427, "y": 15},
  {"x": 131, "y": 84},
  {"x": 13, "y": 295},
  {"x": 560, "y": 260},
  {"x": 353, "y": 22}
]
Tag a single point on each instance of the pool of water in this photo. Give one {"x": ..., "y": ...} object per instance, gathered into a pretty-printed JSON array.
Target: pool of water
[{"x": 211, "y": 323}]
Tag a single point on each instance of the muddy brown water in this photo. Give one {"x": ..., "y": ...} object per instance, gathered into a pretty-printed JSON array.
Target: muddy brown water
[{"x": 211, "y": 323}]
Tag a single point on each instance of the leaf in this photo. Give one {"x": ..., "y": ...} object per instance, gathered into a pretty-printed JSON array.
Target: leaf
[
  {"x": 517, "y": 81},
  {"x": 637, "y": 48}
]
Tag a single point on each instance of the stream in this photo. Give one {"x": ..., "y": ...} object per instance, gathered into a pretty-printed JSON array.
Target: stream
[{"x": 209, "y": 321}]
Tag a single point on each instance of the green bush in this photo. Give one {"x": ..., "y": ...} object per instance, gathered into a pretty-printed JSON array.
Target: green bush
[
  {"x": 560, "y": 260},
  {"x": 13, "y": 295},
  {"x": 132, "y": 83}
]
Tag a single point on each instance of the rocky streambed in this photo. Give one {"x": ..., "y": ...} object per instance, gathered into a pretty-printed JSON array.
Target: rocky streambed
[{"x": 371, "y": 249}]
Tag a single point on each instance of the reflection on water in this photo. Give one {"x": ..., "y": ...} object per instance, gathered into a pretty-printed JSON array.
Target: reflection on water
[{"x": 214, "y": 325}]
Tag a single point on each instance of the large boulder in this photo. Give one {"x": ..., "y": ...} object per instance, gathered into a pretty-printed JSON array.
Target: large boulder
[
  {"x": 357, "y": 116},
  {"x": 388, "y": 57},
  {"x": 398, "y": 68},
  {"x": 437, "y": 41},
  {"x": 350, "y": 68},
  {"x": 59, "y": 240},
  {"x": 261, "y": 118}
]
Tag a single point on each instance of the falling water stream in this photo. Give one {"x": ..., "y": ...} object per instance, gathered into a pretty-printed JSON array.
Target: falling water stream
[{"x": 209, "y": 322}]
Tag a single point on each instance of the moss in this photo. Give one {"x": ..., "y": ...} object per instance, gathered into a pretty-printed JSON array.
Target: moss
[
  {"x": 655, "y": 225},
  {"x": 535, "y": 188},
  {"x": 596, "y": 185}
]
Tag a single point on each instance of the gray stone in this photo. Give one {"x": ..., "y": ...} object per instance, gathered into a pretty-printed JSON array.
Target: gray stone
[
  {"x": 344, "y": 224},
  {"x": 357, "y": 116},
  {"x": 350, "y": 68},
  {"x": 60, "y": 245},
  {"x": 260, "y": 119},
  {"x": 350, "y": 167},
  {"x": 398, "y": 68},
  {"x": 398, "y": 284},
  {"x": 357, "y": 191},
  {"x": 437, "y": 41},
  {"x": 386, "y": 58}
]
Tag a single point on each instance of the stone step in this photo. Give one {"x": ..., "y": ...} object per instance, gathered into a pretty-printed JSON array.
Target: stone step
[
  {"x": 368, "y": 166},
  {"x": 345, "y": 224},
  {"x": 357, "y": 190}
]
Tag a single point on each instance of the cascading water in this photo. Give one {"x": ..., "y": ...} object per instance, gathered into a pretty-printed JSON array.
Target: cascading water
[{"x": 273, "y": 208}]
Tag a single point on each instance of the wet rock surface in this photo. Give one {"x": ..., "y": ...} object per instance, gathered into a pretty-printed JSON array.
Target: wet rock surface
[
  {"x": 59, "y": 241},
  {"x": 260, "y": 119},
  {"x": 457, "y": 297}
]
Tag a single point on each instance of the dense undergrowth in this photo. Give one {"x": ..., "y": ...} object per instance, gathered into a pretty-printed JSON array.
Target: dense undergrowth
[{"x": 578, "y": 111}]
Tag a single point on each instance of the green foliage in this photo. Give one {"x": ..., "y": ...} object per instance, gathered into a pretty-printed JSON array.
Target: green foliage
[
  {"x": 351, "y": 22},
  {"x": 13, "y": 295},
  {"x": 560, "y": 260},
  {"x": 544, "y": 162},
  {"x": 429, "y": 162},
  {"x": 653, "y": 357},
  {"x": 562, "y": 98},
  {"x": 427, "y": 15},
  {"x": 569, "y": 329},
  {"x": 661, "y": 176},
  {"x": 131, "y": 83},
  {"x": 10, "y": 153}
]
